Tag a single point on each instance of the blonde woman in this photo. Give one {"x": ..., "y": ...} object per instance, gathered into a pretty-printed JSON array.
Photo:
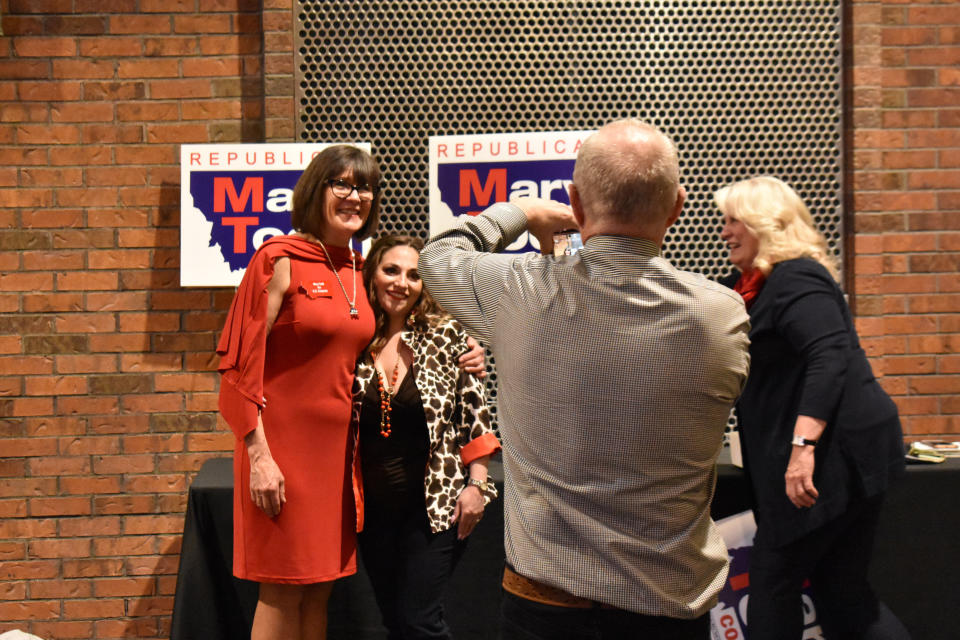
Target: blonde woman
[{"x": 821, "y": 438}]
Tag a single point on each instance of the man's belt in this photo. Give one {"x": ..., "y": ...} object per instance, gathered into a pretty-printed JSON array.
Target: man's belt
[{"x": 530, "y": 589}]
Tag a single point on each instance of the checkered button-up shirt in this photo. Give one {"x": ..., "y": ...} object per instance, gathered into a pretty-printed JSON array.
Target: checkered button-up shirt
[{"x": 616, "y": 373}]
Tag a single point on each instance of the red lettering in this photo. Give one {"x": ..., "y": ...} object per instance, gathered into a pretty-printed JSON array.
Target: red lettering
[
  {"x": 214, "y": 158},
  {"x": 726, "y": 620},
  {"x": 239, "y": 225},
  {"x": 477, "y": 146},
  {"x": 512, "y": 148},
  {"x": 223, "y": 188},
  {"x": 194, "y": 158},
  {"x": 559, "y": 146},
  {"x": 458, "y": 150},
  {"x": 495, "y": 187},
  {"x": 441, "y": 151},
  {"x": 268, "y": 157},
  {"x": 731, "y": 634},
  {"x": 231, "y": 157}
]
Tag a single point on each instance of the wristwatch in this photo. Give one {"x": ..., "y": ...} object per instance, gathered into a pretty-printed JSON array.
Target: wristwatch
[
  {"x": 800, "y": 441},
  {"x": 479, "y": 484}
]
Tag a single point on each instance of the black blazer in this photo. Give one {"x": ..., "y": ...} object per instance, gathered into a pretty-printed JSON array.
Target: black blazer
[{"x": 805, "y": 359}]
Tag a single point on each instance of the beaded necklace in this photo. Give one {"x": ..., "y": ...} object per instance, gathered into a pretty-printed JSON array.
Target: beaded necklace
[{"x": 386, "y": 394}]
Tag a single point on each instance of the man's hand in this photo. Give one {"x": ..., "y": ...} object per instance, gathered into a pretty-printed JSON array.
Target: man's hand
[
  {"x": 544, "y": 218},
  {"x": 474, "y": 361}
]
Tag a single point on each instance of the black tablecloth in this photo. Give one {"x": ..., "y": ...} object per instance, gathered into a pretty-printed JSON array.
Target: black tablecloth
[{"x": 914, "y": 567}]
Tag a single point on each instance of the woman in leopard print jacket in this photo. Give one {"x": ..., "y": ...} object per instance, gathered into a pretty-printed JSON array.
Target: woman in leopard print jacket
[{"x": 425, "y": 441}]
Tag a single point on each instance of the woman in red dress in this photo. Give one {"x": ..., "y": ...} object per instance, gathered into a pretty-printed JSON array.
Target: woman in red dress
[{"x": 297, "y": 324}]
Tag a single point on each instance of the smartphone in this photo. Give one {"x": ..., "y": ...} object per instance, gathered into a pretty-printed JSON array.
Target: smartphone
[{"x": 566, "y": 243}]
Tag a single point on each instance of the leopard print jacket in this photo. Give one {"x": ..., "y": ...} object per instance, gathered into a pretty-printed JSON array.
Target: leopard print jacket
[{"x": 458, "y": 418}]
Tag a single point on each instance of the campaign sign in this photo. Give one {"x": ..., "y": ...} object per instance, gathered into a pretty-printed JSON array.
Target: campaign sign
[
  {"x": 468, "y": 173},
  {"x": 728, "y": 620},
  {"x": 232, "y": 198}
]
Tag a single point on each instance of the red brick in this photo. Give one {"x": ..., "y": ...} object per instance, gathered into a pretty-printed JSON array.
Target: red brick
[
  {"x": 82, "y": 113},
  {"x": 934, "y": 180},
  {"x": 123, "y": 505},
  {"x": 156, "y": 483},
  {"x": 89, "y": 69},
  {"x": 30, "y": 610},
  {"x": 48, "y": 134},
  {"x": 140, "y": 25},
  {"x": 152, "y": 403},
  {"x": 55, "y": 385},
  {"x": 80, "y": 155},
  {"x": 86, "y": 485},
  {"x": 64, "y": 629},
  {"x": 123, "y": 464},
  {"x": 184, "y": 133},
  {"x": 204, "y": 24},
  {"x": 147, "y": 68},
  {"x": 26, "y": 570},
  {"x": 112, "y": 47},
  {"x": 176, "y": 89},
  {"x": 79, "y": 405},
  {"x": 933, "y": 15},
  {"x": 86, "y": 364},
  {"x": 173, "y": 46},
  {"x": 934, "y": 384},
  {"x": 221, "y": 441},
  {"x": 102, "y": 134},
  {"x": 55, "y": 426},
  {"x": 38, "y": 47},
  {"x": 86, "y": 445},
  {"x": 87, "y": 280},
  {"x": 125, "y": 546},
  {"x": 151, "y": 565},
  {"x": 110, "y": 587},
  {"x": 20, "y": 447},
  {"x": 72, "y": 548},
  {"x": 148, "y": 111},
  {"x": 60, "y": 466},
  {"x": 94, "y": 609}
]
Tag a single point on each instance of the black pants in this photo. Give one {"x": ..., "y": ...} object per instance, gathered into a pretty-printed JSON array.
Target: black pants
[
  {"x": 523, "y": 619},
  {"x": 835, "y": 558},
  {"x": 409, "y": 568}
]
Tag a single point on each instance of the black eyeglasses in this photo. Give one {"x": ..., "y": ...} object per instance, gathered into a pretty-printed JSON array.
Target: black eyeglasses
[{"x": 342, "y": 189}]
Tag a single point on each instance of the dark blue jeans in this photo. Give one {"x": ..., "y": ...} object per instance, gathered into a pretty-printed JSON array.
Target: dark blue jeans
[
  {"x": 409, "y": 568},
  {"x": 835, "y": 558},
  {"x": 523, "y": 619}
]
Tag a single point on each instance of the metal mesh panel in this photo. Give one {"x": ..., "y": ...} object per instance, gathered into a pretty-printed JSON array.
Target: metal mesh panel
[{"x": 744, "y": 87}]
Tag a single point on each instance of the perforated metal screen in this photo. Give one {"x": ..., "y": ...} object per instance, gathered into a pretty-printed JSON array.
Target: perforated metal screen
[{"x": 744, "y": 87}]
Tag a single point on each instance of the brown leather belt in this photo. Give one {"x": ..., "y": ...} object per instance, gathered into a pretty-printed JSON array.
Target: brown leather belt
[{"x": 529, "y": 589}]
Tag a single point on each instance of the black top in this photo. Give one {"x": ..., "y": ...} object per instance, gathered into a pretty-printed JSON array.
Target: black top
[
  {"x": 394, "y": 467},
  {"x": 806, "y": 359}
]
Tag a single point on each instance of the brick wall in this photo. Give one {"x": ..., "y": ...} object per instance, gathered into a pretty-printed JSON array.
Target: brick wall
[
  {"x": 107, "y": 390},
  {"x": 108, "y": 387},
  {"x": 904, "y": 162}
]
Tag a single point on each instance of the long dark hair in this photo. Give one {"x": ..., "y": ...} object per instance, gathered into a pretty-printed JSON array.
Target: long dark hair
[
  {"x": 424, "y": 313},
  {"x": 309, "y": 191}
]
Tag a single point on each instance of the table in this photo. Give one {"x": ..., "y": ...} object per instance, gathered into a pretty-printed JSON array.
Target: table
[{"x": 914, "y": 568}]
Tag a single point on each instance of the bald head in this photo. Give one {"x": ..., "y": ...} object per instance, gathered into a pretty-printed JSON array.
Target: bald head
[{"x": 627, "y": 174}]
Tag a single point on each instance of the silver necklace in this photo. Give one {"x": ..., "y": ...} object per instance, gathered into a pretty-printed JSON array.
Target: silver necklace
[{"x": 354, "y": 314}]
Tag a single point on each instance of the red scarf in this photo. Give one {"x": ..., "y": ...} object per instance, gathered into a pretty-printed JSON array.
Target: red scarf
[{"x": 749, "y": 286}]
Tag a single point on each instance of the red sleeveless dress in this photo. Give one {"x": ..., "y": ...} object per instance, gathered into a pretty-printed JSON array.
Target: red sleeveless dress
[{"x": 308, "y": 366}]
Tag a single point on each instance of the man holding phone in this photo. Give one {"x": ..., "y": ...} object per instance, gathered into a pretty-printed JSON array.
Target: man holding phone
[{"x": 607, "y": 510}]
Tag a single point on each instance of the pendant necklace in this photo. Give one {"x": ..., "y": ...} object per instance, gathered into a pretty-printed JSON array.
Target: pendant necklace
[{"x": 354, "y": 313}]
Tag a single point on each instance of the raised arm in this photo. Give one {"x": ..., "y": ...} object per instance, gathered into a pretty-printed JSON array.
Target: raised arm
[{"x": 460, "y": 266}]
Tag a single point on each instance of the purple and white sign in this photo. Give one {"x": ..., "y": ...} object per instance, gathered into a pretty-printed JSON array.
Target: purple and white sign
[
  {"x": 232, "y": 198},
  {"x": 468, "y": 173}
]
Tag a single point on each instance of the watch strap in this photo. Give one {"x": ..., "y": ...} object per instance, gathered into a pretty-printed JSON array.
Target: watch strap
[{"x": 800, "y": 441}]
